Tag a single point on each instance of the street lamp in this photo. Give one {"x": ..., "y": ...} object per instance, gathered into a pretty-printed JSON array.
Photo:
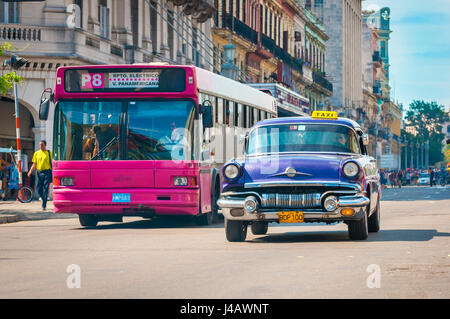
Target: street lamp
[
  {"x": 16, "y": 63},
  {"x": 229, "y": 68}
]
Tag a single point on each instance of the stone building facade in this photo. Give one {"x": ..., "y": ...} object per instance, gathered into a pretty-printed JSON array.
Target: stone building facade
[
  {"x": 55, "y": 33},
  {"x": 343, "y": 61},
  {"x": 388, "y": 128},
  {"x": 276, "y": 42}
]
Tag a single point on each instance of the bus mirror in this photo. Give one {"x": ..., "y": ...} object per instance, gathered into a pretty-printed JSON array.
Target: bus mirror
[
  {"x": 206, "y": 155},
  {"x": 206, "y": 110},
  {"x": 45, "y": 105},
  {"x": 43, "y": 110},
  {"x": 365, "y": 139}
]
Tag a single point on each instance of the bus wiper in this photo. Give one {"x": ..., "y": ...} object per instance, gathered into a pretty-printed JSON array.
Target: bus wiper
[{"x": 109, "y": 144}]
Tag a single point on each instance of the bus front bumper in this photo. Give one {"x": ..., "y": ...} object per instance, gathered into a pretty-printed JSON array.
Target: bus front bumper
[{"x": 127, "y": 202}]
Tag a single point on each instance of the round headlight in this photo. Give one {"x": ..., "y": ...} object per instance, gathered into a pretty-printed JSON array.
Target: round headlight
[
  {"x": 331, "y": 203},
  {"x": 351, "y": 170},
  {"x": 251, "y": 204},
  {"x": 231, "y": 171}
]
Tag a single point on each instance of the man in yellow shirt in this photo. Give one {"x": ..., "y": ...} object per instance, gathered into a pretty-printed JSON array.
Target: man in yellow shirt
[{"x": 42, "y": 161}]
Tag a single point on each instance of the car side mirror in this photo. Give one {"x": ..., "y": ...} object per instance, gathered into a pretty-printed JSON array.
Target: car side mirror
[
  {"x": 44, "y": 106},
  {"x": 206, "y": 110}
]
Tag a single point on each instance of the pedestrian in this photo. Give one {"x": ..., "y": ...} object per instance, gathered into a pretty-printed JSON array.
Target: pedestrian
[
  {"x": 42, "y": 161},
  {"x": 408, "y": 178},
  {"x": 431, "y": 177},
  {"x": 400, "y": 178}
]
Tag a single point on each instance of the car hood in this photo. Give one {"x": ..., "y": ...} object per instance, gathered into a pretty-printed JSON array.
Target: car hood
[{"x": 309, "y": 167}]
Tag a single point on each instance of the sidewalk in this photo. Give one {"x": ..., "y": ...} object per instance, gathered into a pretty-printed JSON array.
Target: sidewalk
[{"x": 11, "y": 211}]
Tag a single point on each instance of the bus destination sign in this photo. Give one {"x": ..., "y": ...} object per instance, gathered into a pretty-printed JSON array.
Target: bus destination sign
[
  {"x": 134, "y": 80},
  {"x": 125, "y": 80}
]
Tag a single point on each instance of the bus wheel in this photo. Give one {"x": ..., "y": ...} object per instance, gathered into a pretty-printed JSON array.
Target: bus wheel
[
  {"x": 88, "y": 220},
  {"x": 235, "y": 230},
  {"x": 205, "y": 219}
]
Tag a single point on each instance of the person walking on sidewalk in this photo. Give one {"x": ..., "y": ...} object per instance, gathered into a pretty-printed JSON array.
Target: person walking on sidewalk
[{"x": 42, "y": 161}]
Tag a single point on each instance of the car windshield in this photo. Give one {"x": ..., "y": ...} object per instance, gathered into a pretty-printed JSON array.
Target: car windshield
[
  {"x": 302, "y": 138},
  {"x": 124, "y": 130},
  {"x": 424, "y": 175}
]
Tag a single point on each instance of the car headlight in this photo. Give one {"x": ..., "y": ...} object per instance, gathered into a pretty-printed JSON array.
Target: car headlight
[
  {"x": 231, "y": 171},
  {"x": 350, "y": 169}
]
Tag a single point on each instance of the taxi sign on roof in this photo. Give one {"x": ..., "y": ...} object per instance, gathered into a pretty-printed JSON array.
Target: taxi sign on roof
[{"x": 329, "y": 115}]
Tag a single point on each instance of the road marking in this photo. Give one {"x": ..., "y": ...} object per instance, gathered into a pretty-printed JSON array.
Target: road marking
[{"x": 300, "y": 256}]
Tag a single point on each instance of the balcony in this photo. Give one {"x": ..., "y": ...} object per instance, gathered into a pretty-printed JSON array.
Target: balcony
[
  {"x": 241, "y": 29},
  {"x": 322, "y": 81},
  {"x": 376, "y": 59},
  {"x": 280, "y": 54}
]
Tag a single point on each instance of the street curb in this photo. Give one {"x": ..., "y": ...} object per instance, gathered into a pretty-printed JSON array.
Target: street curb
[{"x": 5, "y": 219}]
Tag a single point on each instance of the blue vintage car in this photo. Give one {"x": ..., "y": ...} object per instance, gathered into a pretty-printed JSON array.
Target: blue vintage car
[{"x": 302, "y": 169}]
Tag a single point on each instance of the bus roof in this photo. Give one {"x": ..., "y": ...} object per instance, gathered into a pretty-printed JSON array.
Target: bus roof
[
  {"x": 206, "y": 82},
  {"x": 212, "y": 83}
]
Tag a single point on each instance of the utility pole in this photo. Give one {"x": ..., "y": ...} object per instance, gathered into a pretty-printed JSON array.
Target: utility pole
[{"x": 16, "y": 63}]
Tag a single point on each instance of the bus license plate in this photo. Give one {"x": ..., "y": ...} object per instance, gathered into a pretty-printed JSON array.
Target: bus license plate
[
  {"x": 290, "y": 217},
  {"x": 121, "y": 198}
]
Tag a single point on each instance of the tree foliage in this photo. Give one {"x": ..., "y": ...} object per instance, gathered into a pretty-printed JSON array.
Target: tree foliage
[
  {"x": 428, "y": 119},
  {"x": 7, "y": 79}
]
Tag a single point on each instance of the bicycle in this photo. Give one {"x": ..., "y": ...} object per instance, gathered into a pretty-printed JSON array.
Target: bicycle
[{"x": 24, "y": 193}]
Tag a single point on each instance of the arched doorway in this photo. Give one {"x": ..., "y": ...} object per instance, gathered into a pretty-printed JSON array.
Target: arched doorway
[{"x": 8, "y": 131}]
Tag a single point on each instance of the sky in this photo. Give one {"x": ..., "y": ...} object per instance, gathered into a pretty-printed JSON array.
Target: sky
[{"x": 419, "y": 49}]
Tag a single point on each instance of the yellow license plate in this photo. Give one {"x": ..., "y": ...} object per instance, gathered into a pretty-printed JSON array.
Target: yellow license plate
[{"x": 290, "y": 217}]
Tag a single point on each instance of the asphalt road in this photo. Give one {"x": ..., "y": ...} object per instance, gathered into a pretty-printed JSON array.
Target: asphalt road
[{"x": 408, "y": 258}]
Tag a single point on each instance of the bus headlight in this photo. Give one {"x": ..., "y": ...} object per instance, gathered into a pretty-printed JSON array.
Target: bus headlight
[
  {"x": 351, "y": 170},
  {"x": 66, "y": 181},
  {"x": 180, "y": 181},
  {"x": 231, "y": 171}
]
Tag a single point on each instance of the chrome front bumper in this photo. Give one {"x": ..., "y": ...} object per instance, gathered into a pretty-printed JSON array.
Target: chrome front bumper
[{"x": 233, "y": 209}]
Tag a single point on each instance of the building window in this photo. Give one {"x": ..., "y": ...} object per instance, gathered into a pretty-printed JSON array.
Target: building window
[
  {"x": 265, "y": 21},
  {"x": 154, "y": 27},
  {"x": 103, "y": 18},
  {"x": 270, "y": 25},
  {"x": 244, "y": 11},
  {"x": 383, "y": 49},
  {"x": 9, "y": 12},
  {"x": 135, "y": 22}
]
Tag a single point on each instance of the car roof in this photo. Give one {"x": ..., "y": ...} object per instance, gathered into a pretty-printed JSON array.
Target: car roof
[{"x": 309, "y": 120}]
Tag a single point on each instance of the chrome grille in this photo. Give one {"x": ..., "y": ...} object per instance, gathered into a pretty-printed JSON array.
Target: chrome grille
[{"x": 291, "y": 200}]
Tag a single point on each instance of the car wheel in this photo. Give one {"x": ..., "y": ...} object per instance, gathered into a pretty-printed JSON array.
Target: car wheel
[
  {"x": 358, "y": 229},
  {"x": 374, "y": 220},
  {"x": 88, "y": 220},
  {"x": 235, "y": 230},
  {"x": 259, "y": 228}
]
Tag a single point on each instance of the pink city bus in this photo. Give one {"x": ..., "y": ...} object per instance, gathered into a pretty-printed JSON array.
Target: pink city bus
[{"x": 145, "y": 139}]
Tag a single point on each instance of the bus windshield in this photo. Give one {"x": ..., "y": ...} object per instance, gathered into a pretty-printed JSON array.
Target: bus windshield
[
  {"x": 124, "y": 130},
  {"x": 302, "y": 138}
]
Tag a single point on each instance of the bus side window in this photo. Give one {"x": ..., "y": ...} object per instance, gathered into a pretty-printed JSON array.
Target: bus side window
[
  {"x": 227, "y": 113},
  {"x": 239, "y": 117},
  {"x": 220, "y": 115},
  {"x": 246, "y": 116},
  {"x": 236, "y": 114}
]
